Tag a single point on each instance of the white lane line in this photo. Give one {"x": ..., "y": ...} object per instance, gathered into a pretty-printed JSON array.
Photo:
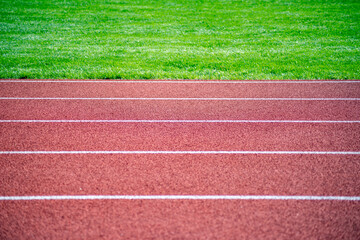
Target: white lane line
[
  {"x": 179, "y": 197},
  {"x": 179, "y": 121},
  {"x": 180, "y": 81},
  {"x": 185, "y": 99},
  {"x": 180, "y": 152}
]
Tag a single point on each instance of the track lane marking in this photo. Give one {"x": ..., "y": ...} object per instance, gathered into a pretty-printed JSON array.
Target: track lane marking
[
  {"x": 185, "y": 99},
  {"x": 179, "y": 197},
  {"x": 176, "y": 121},
  {"x": 180, "y": 81},
  {"x": 184, "y": 152}
]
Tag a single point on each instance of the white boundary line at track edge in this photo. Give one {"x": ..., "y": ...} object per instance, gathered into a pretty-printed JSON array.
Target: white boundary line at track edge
[
  {"x": 181, "y": 81},
  {"x": 179, "y": 121},
  {"x": 183, "y": 152},
  {"x": 178, "y": 197},
  {"x": 185, "y": 99}
]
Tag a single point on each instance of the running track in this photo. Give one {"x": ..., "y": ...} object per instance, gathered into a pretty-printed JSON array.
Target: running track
[{"x": 179, "y": 159}]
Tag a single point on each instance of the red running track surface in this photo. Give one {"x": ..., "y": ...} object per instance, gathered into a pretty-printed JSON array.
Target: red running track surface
[
  {"x": 185, "y": 110},
  {"x": 182, "y": 89},
  {"x": 274, "y": 174},
  {"x": 142, "y": 219},
  {"x": 234, "y": 174}
]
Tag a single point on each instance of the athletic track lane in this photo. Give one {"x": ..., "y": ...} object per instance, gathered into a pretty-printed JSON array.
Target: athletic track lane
[{"x": 308, "y": 171}]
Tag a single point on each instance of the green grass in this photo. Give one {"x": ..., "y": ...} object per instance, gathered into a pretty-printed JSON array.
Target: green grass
[{"x": 180, "y": 39}]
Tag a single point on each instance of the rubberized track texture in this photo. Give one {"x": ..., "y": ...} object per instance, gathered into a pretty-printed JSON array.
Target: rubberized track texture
[{"x": 93, "y": 159}]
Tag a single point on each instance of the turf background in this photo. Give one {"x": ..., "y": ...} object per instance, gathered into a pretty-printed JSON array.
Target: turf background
[{"x": 158, "y": 39}]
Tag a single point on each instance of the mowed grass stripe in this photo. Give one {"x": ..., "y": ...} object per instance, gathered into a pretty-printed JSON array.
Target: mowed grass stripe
[
  {"x": 179, "y": 39},
  {"x": 183, "y": 81}
]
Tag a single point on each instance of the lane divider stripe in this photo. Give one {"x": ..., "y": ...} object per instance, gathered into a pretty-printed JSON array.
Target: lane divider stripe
[
  {"x": 179, "y": 121},
  {"x": 179, "y": 152},
  {"x": 178, "y": 197},
  {"x": 185, "y": 99},
  {"x": 177, "y": 81}
]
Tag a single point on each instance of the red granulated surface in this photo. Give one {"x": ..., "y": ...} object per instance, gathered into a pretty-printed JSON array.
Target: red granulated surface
[
  {"x": 179, "y": 219},
  {"x": 179, "y": 174}
]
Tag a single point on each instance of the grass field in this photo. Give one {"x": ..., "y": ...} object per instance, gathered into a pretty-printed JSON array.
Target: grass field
[{"x": 180, "y": 39}]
